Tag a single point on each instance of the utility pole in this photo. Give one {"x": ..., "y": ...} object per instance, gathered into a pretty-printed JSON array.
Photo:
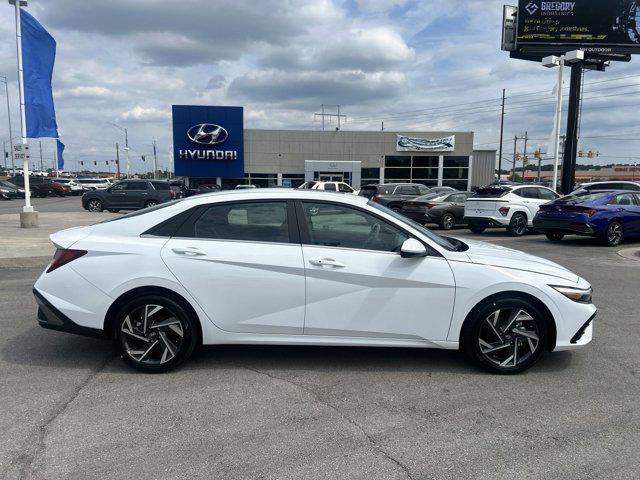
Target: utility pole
[
  {"x": 6, "y": 89},
  {"x": 383, "y": 126},
  {"x": 515, "y": 154},
  {"x": 4, "y": 152},
  {"x": 41, "y": 166},
  {"x": 117, "y": 161},
  {"x": 323, "y": 115},
  {"x": 524, "y": 157},
  {"x": 155, "y": 160},
  {"x": 504, "y": 93}
]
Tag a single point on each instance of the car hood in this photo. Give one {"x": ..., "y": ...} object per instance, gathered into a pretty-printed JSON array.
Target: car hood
[{"x": 488, "y": 254}]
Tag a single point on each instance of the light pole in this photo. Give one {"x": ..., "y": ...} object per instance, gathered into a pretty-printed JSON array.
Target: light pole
[
  {"x": 126, "y": 145},
  {"x": 3, "y": 78}
]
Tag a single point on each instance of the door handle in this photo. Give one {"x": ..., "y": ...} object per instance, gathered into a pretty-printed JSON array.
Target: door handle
[
  {"x": 190, "y": 251},
  {"x": 326, "y": 262}
]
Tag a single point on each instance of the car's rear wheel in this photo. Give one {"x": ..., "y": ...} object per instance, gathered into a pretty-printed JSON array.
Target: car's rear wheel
[
  {"x": 505, "y": 336},
  {"x": 448, "y": 221},
  {"x": 95, "y": 205},
  {"x": 518, "y": 225},
  {"x": 151, "y": 203},
  {"x": 614, "y": 235},
  {"x": 155, "y": 334},
  {"x": 114, "y": 210},
  {"x": 554, "y": 236},
  {"x": 477, "y": 228}
]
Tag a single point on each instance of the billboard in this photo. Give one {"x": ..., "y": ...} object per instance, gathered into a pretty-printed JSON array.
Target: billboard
[
  {"x": 596, "y": 26},
  {"x": 411, "y": 144},
  {"x": 208, "y": 141}
]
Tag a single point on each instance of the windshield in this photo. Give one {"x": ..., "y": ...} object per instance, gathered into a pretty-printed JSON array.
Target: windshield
[
  {"x": 144, "y": 210},
  {"x": 443, "y": 242}
]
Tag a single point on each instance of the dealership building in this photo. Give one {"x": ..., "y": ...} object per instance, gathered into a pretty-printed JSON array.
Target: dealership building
[{"x": 211, "y": 146}]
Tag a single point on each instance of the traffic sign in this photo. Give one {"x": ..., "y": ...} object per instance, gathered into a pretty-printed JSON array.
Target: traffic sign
[{"x": 21, "y": 152}]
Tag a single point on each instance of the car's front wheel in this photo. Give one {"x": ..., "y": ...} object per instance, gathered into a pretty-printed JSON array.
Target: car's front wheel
[
  {"x": 155, "y": 333},
  {"x": 95, "y": 205},
  {"x": 614, "y": 235},
  {"x": 448, "y": 221},
  {"x": 505, "y": 336}
]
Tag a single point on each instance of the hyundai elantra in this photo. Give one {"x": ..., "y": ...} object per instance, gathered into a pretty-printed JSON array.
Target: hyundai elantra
[{"x": 304, "y": 267}]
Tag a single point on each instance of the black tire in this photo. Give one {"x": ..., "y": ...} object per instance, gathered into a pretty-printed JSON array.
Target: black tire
[
  {"x": 477, "y": 228},
  {"x": 95, "y": 205},
  {"x": 396, "y": 208},
  {"x": 532, "y": 321},
  {"x": 554, "y": 236},
  {"x": 42, "y": 195},
  {"x": 114, "y": 210},
  {"x": 131, "y": 342},
  {"x": 518, "y": 225},
  {"x": 614, "y": 235},
  {"x": 151, "y": 203},
  {"x": 448, "y": 221}
]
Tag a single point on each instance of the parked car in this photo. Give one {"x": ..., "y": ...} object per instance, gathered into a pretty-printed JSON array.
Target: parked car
[
  {"x": 8, "y": 191},
  {"x": 60, "y": 189},
  {"x": 128, "y": 195},
  {"x": 205, "y": 188},
  {"x": 39, "y": 186},
  {"x": 328, "y": 187},
  {"x": 608, "y": 215},
  {"x": 393, "y": 195},
  {"x": 162, "y": 281},
  {"x": 509, "y": 206},
  {"x": 76, "y": 188},
  {"x": 445, "y": 209},
  {"x": 610, "y": 185},
  {"x": 179, "y": 188},
  {"x": 93, "y": 183}
]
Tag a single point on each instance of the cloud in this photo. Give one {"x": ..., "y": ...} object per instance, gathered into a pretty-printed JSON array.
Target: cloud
[{"x": 145, "y": 114}]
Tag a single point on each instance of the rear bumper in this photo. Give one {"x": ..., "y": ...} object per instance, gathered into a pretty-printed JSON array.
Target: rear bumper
[
  {"x": 563, "y": 226},
  {"x": 489, "y": 221},
  {"x": 53, "y": 319}
]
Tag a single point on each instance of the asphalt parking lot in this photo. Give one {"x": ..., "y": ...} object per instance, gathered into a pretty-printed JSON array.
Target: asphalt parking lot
[{"x": 72, "y": 409}]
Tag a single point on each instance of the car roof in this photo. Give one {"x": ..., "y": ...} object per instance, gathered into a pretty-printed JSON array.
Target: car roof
[{"x": 275, "y": 193}]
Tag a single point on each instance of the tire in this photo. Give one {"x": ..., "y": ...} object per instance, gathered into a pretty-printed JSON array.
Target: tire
[
  {"x": 448, "y": 221},
  {"x": 114, "y": 210},
  {"x": 151, "y": 203},
  {"x": 477, "y": 228},
  {"x": 489, "y": 341},
  {"x": 614, "y": 234},
  {"x": 396, "y": 208},
  {"x": 168, "y": 339},
  {"x": 554, "y": 236},
  {"x": 518, "y": 225},
  {"x": 95, "y": 205},
  {"x": 42, "y": 195}
]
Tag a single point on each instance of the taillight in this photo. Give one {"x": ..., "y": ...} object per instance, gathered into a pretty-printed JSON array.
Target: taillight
[
  {"x": 172, "y": 194},
  {"x": 590, "y": 212},
  {"x": 504, "y": 211},
  {"x": 64, "y": 256},
  {"x": 429, "y": 205},
  {"x": 376, "y": 198}
]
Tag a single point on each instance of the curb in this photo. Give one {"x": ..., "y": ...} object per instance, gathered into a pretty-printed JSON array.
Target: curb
[
  {"x": 630, "y": 253},
  {"x": 24, "y": 262}
]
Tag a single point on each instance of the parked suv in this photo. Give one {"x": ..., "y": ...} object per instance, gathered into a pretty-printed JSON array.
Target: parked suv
[
  {"x": 39, "y": 186},
  {"x": 513, "y": 207},
  {"x": 393, "y": 195},
  {"x": 128, "y": 195}
]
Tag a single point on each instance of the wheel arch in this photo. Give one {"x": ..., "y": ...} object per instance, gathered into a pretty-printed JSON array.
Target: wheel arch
[
  {"x": 110, "y": 316},
  {"x": 550, "y": 320}
]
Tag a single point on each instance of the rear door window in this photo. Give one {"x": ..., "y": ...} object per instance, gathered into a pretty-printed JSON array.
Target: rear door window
[
  {"x": 407, "y": 190},
  {"x": 136, "y": 186},
  {"x": 546, "y": 194},
  {"x": 161, "y": 185},
  {"x": 330, "y": 187},
  {"x": 626, "y": 199}
]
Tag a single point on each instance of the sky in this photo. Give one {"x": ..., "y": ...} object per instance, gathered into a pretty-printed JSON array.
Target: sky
[{"x": 414, "y": 65}]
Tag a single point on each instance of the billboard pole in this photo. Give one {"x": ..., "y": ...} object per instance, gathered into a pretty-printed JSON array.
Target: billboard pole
[
  {"x": 571, "y": 144},
  {"x": 558, "y": 120},
  {"x": 504, "y": 92}
]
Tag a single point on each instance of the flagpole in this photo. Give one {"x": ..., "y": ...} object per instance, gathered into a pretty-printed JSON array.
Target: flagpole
[{"x": 28, "y": 217}]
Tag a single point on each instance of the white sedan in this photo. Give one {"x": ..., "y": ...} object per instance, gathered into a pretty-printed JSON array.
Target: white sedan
[{"x": 295, "y": 267}]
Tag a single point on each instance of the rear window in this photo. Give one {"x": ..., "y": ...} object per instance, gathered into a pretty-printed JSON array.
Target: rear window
[
  {"x": 432, "y": 196},
  {"x": 308, "y": 185},
  {"x": 583, "y": 196},
  {"x": 160, "y": 185},
  {"x": 492, "y": 192}
]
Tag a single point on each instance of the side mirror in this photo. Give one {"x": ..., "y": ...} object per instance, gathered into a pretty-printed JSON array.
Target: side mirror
[{"x": 412, "y": 248}]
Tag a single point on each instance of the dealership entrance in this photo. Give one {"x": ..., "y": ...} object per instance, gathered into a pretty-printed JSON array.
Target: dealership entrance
[{"x": 328, "y": 171}]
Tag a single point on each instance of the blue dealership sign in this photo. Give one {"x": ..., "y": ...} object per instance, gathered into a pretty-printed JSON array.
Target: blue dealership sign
[{"x": 208, "y": 141}]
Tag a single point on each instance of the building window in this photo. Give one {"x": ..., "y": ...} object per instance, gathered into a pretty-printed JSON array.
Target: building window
[
  {"x": 292, "y": 180},
  {"x": 456, "y": 162},
  {"x": 461, "y": 185},
  {"x": 426, "y": 173},
  {"x": 369, "y": 176},
  {"x": 398, "y": 161},
  {"x": 432, "y": 162}
]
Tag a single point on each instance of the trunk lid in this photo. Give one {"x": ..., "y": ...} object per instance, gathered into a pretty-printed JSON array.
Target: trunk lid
[{"x": 66, "y": 238}]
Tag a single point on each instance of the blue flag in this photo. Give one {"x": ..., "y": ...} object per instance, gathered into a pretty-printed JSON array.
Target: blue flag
[
  {"x": 38, "y": 57},
  {"x": 60, "y": 147}
]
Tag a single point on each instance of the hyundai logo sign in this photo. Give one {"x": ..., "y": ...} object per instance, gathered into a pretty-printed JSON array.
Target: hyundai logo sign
[{"x": 208, "y": 134}]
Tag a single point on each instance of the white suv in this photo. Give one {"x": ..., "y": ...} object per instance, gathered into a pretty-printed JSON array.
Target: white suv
[
  {"x": 328, "y": 187},
  {"x": 512, "y": 206},
  {"x": 611, "y": 185}
]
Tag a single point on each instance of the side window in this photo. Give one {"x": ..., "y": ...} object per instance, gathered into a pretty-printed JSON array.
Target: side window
[
  {"x": 407, "y": 190},
  {"x": 161, "y": 185},
  {"x": 136, "y": 185},
  {"x": 527, "y": 192},
  {"x": 339, "y": 226},
  {"x": 344, "y": 188},
  {"x": 253, "y": 222},
  {"x": 623, "y": 199},
  {"x": 422, "y": 190},
  {"x": 546, "y": 194},
  {"x": 119, "y": 187},
  {"x": 330, "y": 187}
]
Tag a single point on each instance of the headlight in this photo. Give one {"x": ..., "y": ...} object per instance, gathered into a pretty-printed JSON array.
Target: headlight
[
  {"x": 579, "y": 295},
  {"x": 4, "y": 190}
]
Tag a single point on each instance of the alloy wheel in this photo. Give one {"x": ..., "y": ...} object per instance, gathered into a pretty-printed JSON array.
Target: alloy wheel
[
  {"x": 519, "y": 225},
  {"x": 95, "y": 206},
  {"x": 448, "y": 221},
  {"x": 508, "y": 337},
  {"x": 151, "y": 203},
  {"x": 614, "y": 234},
  {"x": 152, "y": 335}
]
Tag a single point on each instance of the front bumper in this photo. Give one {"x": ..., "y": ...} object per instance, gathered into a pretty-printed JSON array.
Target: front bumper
[{"x": 53, "y": 319}]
